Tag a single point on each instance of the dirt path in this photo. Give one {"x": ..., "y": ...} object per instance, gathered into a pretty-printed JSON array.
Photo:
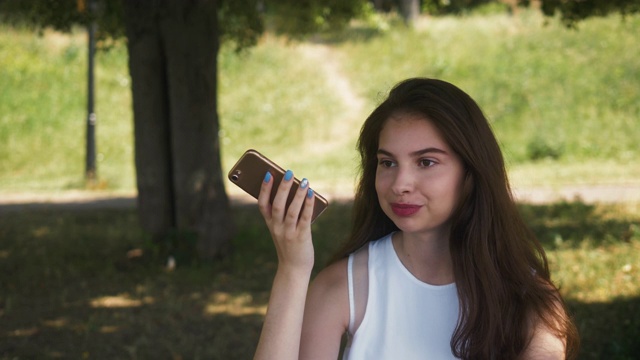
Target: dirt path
[
  {"x": 584, "y": 193},
  {"x": 353, "y": 105},
  {"x": 85, "y": 200}
]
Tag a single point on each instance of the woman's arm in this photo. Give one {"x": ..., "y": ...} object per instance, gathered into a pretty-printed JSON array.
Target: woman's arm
[
  {"x": 280, "y": 337},
  {"x": 545, "y": 346},
  {"x": 285, "y": 335},
  {"x": 548, "y": 342},
  {"x": 291, "y": 233},
  {"x": 326, "y": 316}
]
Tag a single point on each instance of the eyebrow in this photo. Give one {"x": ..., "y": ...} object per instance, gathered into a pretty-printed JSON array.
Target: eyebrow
[{"x": 415, "y": 153}]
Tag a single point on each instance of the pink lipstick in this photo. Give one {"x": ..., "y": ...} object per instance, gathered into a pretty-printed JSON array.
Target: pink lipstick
[{"x": 405, "y": 209}]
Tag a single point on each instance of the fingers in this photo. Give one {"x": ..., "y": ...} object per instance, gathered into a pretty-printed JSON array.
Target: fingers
[
  {"x": 293, "y": 214},
  {"x": 307, "y": 211},
  {"x": 290, "y": 226},
  {"x": 300, "y": 208},
  {"x": 279, "y": 205},
  {"x": 264, "y": 203}
]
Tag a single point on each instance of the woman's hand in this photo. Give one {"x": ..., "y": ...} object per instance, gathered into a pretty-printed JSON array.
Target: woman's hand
[
  {"x": 290, "y": 227},
  {"x": 291, "y": 231}
]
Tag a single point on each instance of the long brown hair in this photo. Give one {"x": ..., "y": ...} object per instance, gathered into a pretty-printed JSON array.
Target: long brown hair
[{"x": 500, "y": 268}]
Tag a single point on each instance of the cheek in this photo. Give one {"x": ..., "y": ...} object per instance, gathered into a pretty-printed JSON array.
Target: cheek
[
  {"x": 382, "y": 182},
  {"x": 378, "y": 186}
]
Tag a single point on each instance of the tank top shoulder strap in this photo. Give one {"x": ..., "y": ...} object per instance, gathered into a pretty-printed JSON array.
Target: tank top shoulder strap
[{"x": 358, "y": 282}]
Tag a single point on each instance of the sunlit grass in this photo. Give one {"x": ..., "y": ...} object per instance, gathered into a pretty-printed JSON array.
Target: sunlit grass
[
  {"x": 43, "y": 113},
  {"x": 595, "y": 250},
  {"x": 549, "y": 91},
  {"x": 275, "y": 98},
  {"x": 592, "y": 274}
]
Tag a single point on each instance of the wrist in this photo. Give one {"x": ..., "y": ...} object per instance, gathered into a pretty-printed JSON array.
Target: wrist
[{"x": 294, "y": 273}]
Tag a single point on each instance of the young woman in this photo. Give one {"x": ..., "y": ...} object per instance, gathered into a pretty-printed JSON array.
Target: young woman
[{"x": 439, "y": 263}]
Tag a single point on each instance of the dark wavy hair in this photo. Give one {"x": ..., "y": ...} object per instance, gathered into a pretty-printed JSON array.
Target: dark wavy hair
[{"x": 500, "y": 268}]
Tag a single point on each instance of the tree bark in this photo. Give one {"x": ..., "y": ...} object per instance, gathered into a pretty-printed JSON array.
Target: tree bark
[
  {"x": 409, "y": 9},
  {"x": 173, "y": 48}
]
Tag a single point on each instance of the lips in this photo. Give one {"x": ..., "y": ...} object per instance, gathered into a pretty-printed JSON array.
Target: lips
[{"x": 405, "y": 209}]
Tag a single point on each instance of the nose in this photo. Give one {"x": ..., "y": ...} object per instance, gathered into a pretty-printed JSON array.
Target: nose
[{"x": 403, "y": 182}]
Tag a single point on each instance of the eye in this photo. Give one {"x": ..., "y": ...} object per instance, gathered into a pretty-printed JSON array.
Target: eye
[
  {"x": 426, "y": 163},
  {"x": 386, "y": 163}
]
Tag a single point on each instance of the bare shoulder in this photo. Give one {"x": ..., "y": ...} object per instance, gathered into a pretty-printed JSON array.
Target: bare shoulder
[
  {"x": 547, "y": 342},
  {"x": 331, "y": 285},
  {"x": 545, "y": 345},
  {"x": 334, "y": 275},
  {"x": 326, "y": 316}
]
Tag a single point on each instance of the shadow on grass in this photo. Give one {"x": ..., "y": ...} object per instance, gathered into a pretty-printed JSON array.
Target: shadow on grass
[
  {"x": 571, "y": 223},
  {"x": 608, "y": 330},
  {"x": 69, "y": 287}
]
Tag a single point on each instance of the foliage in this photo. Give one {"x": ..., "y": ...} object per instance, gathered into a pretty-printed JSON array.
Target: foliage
[
  {"x": 454, "y": 6},
  {"x": 539, "y": 148},
  {"x": 317, "y": 15},
  {"x": 573, "y": 11},
  {"x": 62, "y": 15},
  {"x": 240, "y": 21}
]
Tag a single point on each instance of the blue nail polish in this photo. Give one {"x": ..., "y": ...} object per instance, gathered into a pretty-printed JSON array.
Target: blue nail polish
[
  {"x": 310, "y": 193},
  {"x": 288, "y": 175},
  {"x": 304, "y": 183},
  {"x": 267, "y": 177}
]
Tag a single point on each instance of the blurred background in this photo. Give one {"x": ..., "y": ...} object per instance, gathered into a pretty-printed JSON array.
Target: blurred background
[{"x": 87, "y": 272}]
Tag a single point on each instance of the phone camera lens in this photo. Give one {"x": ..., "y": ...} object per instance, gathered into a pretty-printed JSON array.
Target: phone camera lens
[{"x": 235, "y": 176}]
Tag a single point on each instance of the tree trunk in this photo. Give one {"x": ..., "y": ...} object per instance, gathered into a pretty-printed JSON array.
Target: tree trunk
[
  {"x": 409, "y": 9},
  {"x": 173, "y": 48}
]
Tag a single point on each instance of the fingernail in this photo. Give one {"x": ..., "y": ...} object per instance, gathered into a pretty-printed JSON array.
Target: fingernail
[
  {"x": 288, "y": 175},
  {"x": 267, "y": 177},
  {"x": 310, "y": 193},
  {"x": 304, "y": 183}
]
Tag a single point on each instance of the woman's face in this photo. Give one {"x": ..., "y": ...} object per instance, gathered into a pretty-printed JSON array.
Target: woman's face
[{"x": 418, "y": 178}]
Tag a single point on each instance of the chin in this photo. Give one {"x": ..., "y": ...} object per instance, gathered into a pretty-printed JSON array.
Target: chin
[
  {"x": 408, "y": 225},
  {"x": 411, "y": 225}
]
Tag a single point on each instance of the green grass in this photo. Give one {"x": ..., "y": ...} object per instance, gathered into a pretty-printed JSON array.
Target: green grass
[
  {"x": 274, "y": 99},
  {"x": 69, "y": 290},
  {"x": 43, "y": 113},
  {"x": 563, "y": 103},
  {"x": 546, "y": 89}
]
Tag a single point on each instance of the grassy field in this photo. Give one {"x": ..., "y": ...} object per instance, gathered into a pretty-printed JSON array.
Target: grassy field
[
  {"x": 43, "y": 113},
  {"x": 556, "y": 98},
  {"x": 563, "y": 103},
  {"x": 88, "y": 284},
  {"x": 69, "y": 290}
]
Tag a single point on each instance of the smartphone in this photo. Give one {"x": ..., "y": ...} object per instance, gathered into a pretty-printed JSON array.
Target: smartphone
[{"x": 248, "y": 173}]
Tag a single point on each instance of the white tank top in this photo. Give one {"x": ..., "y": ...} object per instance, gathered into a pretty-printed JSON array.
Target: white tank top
[{"x": 405, "y": 318}]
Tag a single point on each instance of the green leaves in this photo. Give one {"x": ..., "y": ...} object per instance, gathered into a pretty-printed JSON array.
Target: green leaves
[{"x": 572, "y": 11}]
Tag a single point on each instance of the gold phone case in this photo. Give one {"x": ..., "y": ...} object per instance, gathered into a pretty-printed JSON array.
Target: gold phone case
[{"x": 248, "y": 173}]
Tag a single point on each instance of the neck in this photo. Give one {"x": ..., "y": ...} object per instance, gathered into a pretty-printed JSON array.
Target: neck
[{"x": 426, "y": 257}]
